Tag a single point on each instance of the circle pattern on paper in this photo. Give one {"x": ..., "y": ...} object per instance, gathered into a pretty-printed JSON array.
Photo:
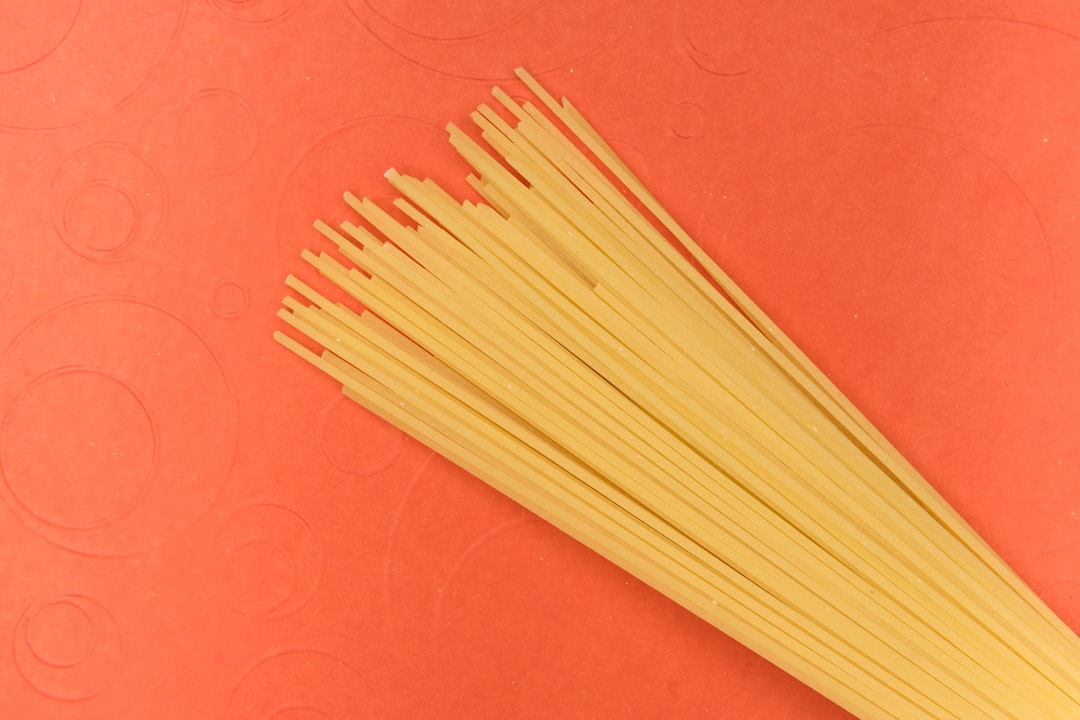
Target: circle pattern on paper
[
  {"x": 78, "y": 448},
  {"x": 484, "y": 40},
  {"x": 910, "y": 287},
  {"x": 107, "y": 202},
  {"x": 456, "y": 20},
  {"x": 61, "y": 71},
  {"x": 719, "y": 37},
  {"x": 354, "y": 157},
  {"x": 117, "y": 426},
  {"x": 687, "y": 120},
  {"x": 228, "y": 299},
  {"x": 216, "y": 131},
  {"x": 444, "y": 513},
  {"x": 273, "y": 560},
  {"x": 255, "y": 12},
  {"x": 461, "y": 555},
  {"x": 527, "y": 565},
  {"x": 357, "y": 441},
  {"x": 303, "y": 685},
  {"x": 67, "y": 646},
  {"x": 7, "y": 274},
  {"x": 41, "y": 27}
]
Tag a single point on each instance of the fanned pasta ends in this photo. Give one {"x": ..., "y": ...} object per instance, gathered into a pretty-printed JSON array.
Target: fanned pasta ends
[{"x": 567, "y": 342}]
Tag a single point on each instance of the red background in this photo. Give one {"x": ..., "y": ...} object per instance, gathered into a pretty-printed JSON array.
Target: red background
[{"x": 196, "y": 525}]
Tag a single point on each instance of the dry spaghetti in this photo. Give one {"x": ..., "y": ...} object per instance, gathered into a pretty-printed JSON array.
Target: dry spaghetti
[{"x": 554, "y": 341}]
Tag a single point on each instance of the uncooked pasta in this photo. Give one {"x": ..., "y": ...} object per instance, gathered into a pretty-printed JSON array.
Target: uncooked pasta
[{"x": 566, "y": 341}]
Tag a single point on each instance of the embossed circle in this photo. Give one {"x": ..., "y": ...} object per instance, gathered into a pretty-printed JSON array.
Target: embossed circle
[
  {"x": 879, "y": 216},
  {"x": 255, "y": 12},
  {"x": 300, "y": 713},
  {"x": 461, "y": 555},
  {"x": 303, "y": 685},
  {"x": 354, "y": 157},
  {"x": 77, "y": 447},
  {"x": 687, "y": 120},
  {"x": 60, "y": 634},
  {"x": 61, "y": 70},
  {"x": 34, "y": 31},
  {"x": 216, "y": 131},
  {"x": 357, "y": 441},
  {"x": 483, "y": 40},
  {"x": 99, "y": 218},
  {"x": 68, "y": 647},
  {"x": 444, "y": 513},
  {"x": 7, "y": 274},
  {"x": 718, "y": 36},
  {"x": 107, "y": 202},
  {"x": 456, "y": 19},
  {"x": 229, "y": 299},
  {"x": 155, "y": 361},
  {"x": 529, "y": 566},
  {"x": 272, "y": 560}
]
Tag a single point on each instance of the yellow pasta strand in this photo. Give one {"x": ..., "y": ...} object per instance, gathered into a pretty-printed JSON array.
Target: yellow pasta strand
[{"x": 553, "y": 341}]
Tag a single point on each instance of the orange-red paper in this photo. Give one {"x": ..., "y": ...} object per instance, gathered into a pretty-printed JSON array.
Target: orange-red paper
[{"x": 195, "y": 525}]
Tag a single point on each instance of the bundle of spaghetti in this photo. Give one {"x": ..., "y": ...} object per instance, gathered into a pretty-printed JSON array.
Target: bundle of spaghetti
[{"x": 567, "y": 342}]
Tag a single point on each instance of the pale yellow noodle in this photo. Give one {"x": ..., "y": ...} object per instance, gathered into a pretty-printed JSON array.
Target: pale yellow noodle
[{"x": 552, "y": 341}]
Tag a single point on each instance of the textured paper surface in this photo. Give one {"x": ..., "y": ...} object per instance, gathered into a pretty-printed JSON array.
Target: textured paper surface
[{"x": 195, "y": 525}]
